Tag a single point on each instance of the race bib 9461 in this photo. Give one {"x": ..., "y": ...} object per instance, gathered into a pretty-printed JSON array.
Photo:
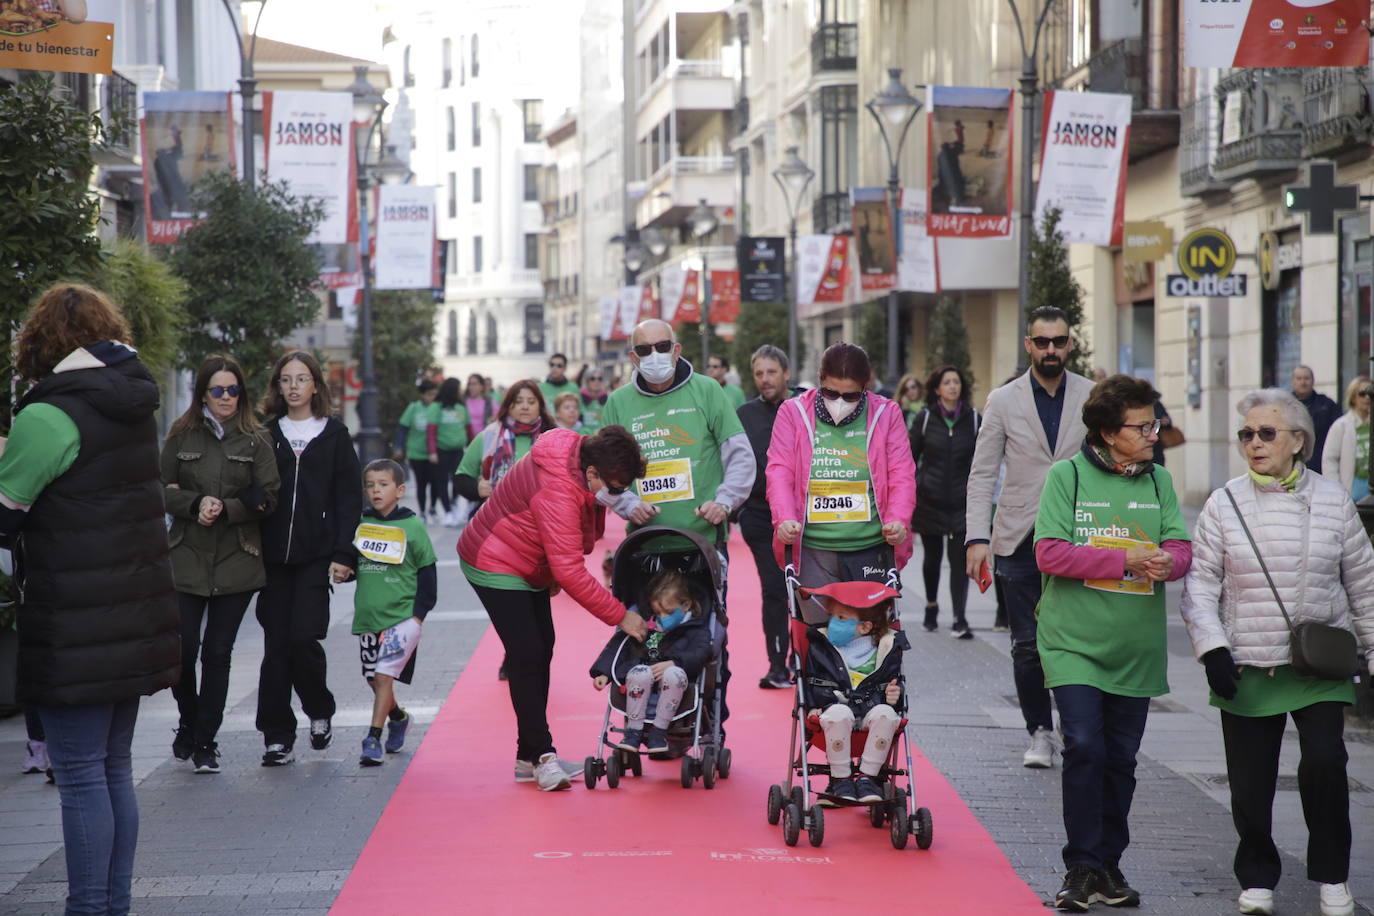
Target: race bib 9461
[
  {"x": 381, "y": 543},
  {"x": 829, "y": 501},
  {"x": 667, "y": 481}
]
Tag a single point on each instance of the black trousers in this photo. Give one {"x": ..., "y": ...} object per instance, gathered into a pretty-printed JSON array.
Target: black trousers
[
  {"x": 1252, "y": 766},
  {"x": 930, "y": 569},
  {"x": 423, "y": 470},
  {"x": 756, "y": 524},
  {"x": 202, "y": 710},
  {"x": 443, "y": 476},
  {"x": 293, "y": 608},
  {"x": 524, "y": 622}
]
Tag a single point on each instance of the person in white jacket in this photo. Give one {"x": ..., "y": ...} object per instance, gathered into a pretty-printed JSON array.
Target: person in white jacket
[
  {"x": 1312, "y": 542},
  {"x": 1345, "y": 456}
]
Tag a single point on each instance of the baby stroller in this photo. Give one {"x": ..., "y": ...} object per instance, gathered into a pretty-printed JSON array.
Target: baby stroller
[
  {"x": 695, "y": 732},
  {"x": 788, "y": 801}
]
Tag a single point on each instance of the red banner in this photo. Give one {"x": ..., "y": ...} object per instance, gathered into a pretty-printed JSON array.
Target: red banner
[
  {"x": 648, "y": 302},
  {"x": 1276, "y": 33},
  {"x": 689, "y": 306},
  {"x": 724, "y": 296}
]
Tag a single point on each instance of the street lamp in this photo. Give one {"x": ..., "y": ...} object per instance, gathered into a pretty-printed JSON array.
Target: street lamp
[
  {"x": 793, "y": 176},
  {"x": 368, "y": 106},
  {"x": 634, "y": 258},
  {"x": 655, "y": 240},
  {"x": 704, "y": 222},
  {"x": 247, "y": 86},
  {"x": 894, "y": 108}
]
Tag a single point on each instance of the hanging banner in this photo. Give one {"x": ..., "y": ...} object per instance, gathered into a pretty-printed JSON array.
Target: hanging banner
[
  {"x": 406, "y": 220},
  {"x": 629, "y": 309},
  {"x": 609, "y": 306},
  {"x": 969, "y": 164},
  {"x": 340, "y": 266},
  {"x": 876, "y": 250},
  {"x": 823, "y": 273},
  {"x": 57, "y": 36},
  {"x": 724, "y": 296},
  {"x": 760, "y": 260},
  {"x": 917, "y": 268},
  {"x": 1083, "y": 149},
  {"x": 679, "y": 292},
  {"x": 1276, "y": 33},
  {"x": 185, "y": 136},
  {"x": 310, "y": 147},
  {"x": 648, "y": 302}
]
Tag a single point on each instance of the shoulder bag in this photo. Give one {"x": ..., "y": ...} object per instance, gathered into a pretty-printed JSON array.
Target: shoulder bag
[{"x": 1317, "y": 649}]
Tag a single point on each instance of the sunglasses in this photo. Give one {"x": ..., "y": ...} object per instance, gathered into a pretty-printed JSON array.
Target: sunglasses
[
  {"x": 558, "y": 365},
  {"x": 663, "y": 346},
  {"x": 616, "y": 491},
  {"x": 1366, "y": 392},
  {"x": 594, "y": 378},
  {"x": 1146, "y": 430},
  {"x": 1266, "y": 433},
  {"x": 1043, "y": 343},
  {"x": 850, "y": 396},
  {"x": 219, "y": 391}
]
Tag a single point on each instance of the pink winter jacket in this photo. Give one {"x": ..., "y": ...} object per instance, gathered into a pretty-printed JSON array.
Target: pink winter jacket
[{"x": 889, "y": 462}]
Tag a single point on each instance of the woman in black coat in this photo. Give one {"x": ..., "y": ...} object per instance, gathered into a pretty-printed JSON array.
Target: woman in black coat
[
  {"x": 304, "y": 543},
  {"x": 943, "y": 436}
]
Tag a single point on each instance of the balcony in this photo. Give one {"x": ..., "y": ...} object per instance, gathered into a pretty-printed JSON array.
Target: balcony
[
  {"x": 1195, "y": 149},
  {"x": 835, "y": 46},
  {"x": 830, "y": 212},
  {"x": 739, "y": 118},
  {"x": 677, "y": 186},
  {"x": 119, "y": 112},
  {"x": 1125, "y": 67},
  {"x": 1336, "y": 115},
  {"x": 687, "y": 85},
  {"x": 1261, "y": 123}
]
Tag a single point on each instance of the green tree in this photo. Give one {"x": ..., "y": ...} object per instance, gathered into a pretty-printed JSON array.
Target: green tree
[
  {"x": 402, "y": 347},
  {"x": 873, "y": 335},
  {"x": 689, "y": 335},
  {"x": 947, "y": 343},
  {"x": 250, "y": 272},
  {"x": 1052, "y": 283},
  {"x": 151, "y": 297},
  {"x": 760, "y": 323}
]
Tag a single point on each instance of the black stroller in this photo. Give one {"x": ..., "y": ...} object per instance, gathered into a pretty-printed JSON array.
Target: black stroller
[
  {"x": 788, "y": 801},
  {"x": 695, "y": 732}
]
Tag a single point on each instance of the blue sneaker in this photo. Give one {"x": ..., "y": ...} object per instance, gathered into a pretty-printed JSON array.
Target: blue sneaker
[
  {"x": 396, "y": 734},
  {"x": 372, "y": 753}
]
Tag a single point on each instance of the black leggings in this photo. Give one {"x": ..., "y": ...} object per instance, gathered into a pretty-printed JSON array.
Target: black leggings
[
  {"x": 524, "y": 622},
  {"x": 424, "y": 475},
  {"x": 958, "y": 582},
  {"x": 443, "y": 476}
]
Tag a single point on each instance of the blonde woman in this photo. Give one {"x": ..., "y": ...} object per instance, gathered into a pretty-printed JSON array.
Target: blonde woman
[{"x": 1345, "y": 457}]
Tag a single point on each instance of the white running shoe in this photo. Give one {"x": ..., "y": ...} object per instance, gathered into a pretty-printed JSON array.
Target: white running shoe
[
  {"x": 1336, "y": 900},
  {"x": 549, "y": 775},
  {"x": 1040, "y": 754},
  {"x": 35, "y": 756},
  {"x": 524, "y": 769},
  {"x": 1258, "y": 900}
]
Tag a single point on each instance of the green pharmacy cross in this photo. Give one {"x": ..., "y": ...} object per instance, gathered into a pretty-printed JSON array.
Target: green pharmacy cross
[{"x": 1321, "y": 198}]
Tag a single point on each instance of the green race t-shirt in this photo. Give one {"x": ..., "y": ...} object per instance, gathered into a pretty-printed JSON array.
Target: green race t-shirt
[
  {"x": 386, "y": 589},
  {"x": 680, "y": 434},
  {"x": 43, "y": 443},
  {"x": 452, "y": 423},
  {"x": 840, "y": 512},
  {"x": 1274, "y": 691},
  {"x": 1362, "y": 451},
  {"x": 416, "y": 419},
  {"x": 552, "y": 391},
  {"x": 1104, "y": 633},
  {"x": 471, "y": 464},
  {"x": 734, "y": 396},
  {"x": 591, "y": 415},
  {"x": 507, "y": 581}
]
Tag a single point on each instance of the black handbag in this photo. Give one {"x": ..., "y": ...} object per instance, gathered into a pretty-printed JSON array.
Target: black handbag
[{"x": 1316, "y": 649}]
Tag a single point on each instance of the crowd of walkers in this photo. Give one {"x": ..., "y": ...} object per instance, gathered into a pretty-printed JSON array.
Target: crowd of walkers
[{"x": 137, "y": 571}]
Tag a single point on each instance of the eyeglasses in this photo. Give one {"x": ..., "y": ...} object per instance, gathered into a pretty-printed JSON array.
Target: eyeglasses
[
  {"x": 299, "y": 381},
  {"x": 219, "y": 391},
  {"x": 1146, "y": 430},
  {"x": 1043, "y": 343},
  {"x": 850, "y": 396},
  {"x": 558, "y": 365},
  {"x": 593, "y": 378},
  {"x": 1266, "y": 433},
  {"x": 662, "y": 346}
]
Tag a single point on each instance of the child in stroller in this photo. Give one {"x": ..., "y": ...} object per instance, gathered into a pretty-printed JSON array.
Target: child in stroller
[
  {"x": 852, "y": 681},
  {"x": 676, "y": 650}
]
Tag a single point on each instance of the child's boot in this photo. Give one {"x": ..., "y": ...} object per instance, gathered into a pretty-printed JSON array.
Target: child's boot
[
  {"x": 656, "y": 740},
  {"x": 631, "y": 739}
]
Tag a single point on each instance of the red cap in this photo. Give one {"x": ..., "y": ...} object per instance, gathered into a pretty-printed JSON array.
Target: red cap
[{"x": 854, "y": 594}]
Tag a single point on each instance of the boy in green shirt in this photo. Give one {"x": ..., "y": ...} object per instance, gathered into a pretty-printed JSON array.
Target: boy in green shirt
[{"x": 397, "y": 587}]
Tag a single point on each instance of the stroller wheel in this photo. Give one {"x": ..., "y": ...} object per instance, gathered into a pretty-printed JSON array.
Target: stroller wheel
[
  {"x": 798, "y": 797},
  {"x": 708, "y": 768},
  {"x": 815, "y": 830},
  {"x": 613, "y": 769},
  {"x": 877, "y": 814},
  {"x": 723, "y": 763},
  {"x": 924, "y": 827},
  {"x": 637, "y": 764},
  {"x": 589, "y": 772},
  {"x": 901, "y": 829},
  {"x": 791, "y": 825},
  {"x": 687, "y": 774},
  {"x": 774, "y": 803}
]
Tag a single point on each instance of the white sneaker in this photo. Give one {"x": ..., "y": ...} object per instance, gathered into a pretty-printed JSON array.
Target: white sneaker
[
  {"x": 524, "y": 769},
  {"x": 35, "y": 756},
  {"x": 1040, "y": 754},
  {"x": 549, "y": 775},
  {"x": 1257, "y": 900},
  {"x": 451, "y": 519},
  {"x": 1336, "y": 900}
]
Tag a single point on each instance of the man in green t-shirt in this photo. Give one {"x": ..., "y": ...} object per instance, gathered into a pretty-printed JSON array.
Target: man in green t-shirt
[
  {"x": 558, "y": 381},
  {"x": 593, "y": 395},
  {"x": 718, "y": 367}
]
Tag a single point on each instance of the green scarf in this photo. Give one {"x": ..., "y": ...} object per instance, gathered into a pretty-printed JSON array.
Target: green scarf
[{"x": 1288, "y": 484}]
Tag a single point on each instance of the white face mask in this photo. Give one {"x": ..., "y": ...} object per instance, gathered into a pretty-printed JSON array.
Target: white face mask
[
  {"x": 839, "y": 408},
  {"x": 657, "y": 367}
]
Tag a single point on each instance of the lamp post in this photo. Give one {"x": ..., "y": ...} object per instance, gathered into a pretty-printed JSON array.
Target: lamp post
[
  {"x": 247, "y": 86},
  {"x": 793, "y": 176},
  {"x": 368, "y": 106},
  {"x": 704, "y": 222},
  {"x": 894, "y": 108},
  {"x": 1029, "y": 80}
]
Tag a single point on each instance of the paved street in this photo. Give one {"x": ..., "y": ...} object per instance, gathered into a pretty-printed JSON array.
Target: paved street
[{"x": 283, "y": 840}]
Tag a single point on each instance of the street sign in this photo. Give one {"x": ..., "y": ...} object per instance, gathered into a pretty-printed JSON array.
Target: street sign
[
  {"x": 1206, "y": 257},
  {"x": 760, "y": 261},
  {"x": 1146, "y": 241},
  {"x": 1276, "y": 257},
  {"x": 1321, "y": 198}
]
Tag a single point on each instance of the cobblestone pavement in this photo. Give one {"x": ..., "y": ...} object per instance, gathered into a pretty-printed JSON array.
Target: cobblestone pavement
[{"x": 283, "y": 840}]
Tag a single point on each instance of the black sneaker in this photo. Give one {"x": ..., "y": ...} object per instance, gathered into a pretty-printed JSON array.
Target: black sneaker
[
  {"x": 183, "y": 744},
  {"x": 841, "y": 790},
  {"x": 960, "y": 630},
  {"x": 1113, "y": 890},
  {"x": 1078, "y": 889},
  {"x": 631, "y": 739},
  {"x": 655, "y": 740},
  {"x": 206, "y": 758},
  {"x": 866, "y": 789},
  {"x": 775, "y": 679},
  {"x": 932, "y": 612},
  {"x": 277, "y": 755},
  {"x": 321, "y": 733}
]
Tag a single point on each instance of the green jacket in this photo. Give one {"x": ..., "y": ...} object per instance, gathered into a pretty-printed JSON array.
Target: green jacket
[{"x": 225, "y": 558}]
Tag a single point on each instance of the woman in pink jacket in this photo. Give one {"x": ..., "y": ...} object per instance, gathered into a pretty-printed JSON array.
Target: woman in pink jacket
[{"x": 841, "y": 479}]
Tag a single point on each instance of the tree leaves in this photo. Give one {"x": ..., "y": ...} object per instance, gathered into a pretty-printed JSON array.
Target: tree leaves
[{"x": 1052, "y": 283}]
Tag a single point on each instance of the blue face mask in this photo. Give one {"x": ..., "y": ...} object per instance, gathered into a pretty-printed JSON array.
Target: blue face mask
[
  {"x": 668, "y": 621},
  {"x": 841, "y": 631}
]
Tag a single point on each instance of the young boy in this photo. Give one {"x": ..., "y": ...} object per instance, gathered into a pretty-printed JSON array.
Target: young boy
[{"x": 397, "y": 587}]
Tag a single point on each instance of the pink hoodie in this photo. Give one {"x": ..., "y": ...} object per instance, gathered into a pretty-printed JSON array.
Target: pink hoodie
[{"x": 889, "y": 456}]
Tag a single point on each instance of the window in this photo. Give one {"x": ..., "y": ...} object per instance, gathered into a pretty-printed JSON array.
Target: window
[
  {"x": 447, "y": 57},
  {"x": 452, "y": 123},
  {"x": 472, "y": 333},
  {"x": 531, "y": 250},
  {"x": 532, "y": 182},
  {"x": 405, "y": 67},
  {"x": 477, "y": 254},
  {"x": 534, "y": 119},
  {"x": 474, "y": 62},
  {"x": 451, "y": 256},
  {"x": 489, "y": 344},
  {"x": 839, "y": 138},
  {"x": 451, "y": 340},
  {"x": 477, "y": 186},
  {"x": 534, "y": 327},
  {"x": 452, "y": 194},
  {"x": 476, "y": 124}
]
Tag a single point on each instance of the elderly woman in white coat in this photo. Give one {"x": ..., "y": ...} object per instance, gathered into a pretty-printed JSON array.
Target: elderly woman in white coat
[
  {"x": 1345, "y": 457},
  {"x": 1307, "y": 531}
]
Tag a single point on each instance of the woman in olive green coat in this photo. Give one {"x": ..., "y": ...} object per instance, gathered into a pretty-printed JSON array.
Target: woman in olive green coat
[{"x": 220, "y": 479}]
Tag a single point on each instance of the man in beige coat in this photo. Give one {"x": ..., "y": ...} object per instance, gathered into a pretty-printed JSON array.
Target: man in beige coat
[{"x": 1030, "y": 423}]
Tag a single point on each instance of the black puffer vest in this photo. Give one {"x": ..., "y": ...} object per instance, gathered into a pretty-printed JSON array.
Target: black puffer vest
[{"x": 97, "y": 611}]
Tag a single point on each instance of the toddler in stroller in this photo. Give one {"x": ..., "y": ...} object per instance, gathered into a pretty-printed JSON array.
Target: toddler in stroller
[{"x": 660, "y": 669}]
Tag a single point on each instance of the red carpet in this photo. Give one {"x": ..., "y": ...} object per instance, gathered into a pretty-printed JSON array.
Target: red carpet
[{"x": 460, "y": 837}]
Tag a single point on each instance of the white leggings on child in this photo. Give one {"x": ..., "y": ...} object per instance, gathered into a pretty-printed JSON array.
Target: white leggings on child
[
  {"x": 837, "y": 722},
  {"x": 639, "y": 683}
]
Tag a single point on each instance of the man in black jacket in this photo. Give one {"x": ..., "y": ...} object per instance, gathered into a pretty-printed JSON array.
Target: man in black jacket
[
  {"x": 771, "y": 377},
  {"x": 1324, "y": 411}
]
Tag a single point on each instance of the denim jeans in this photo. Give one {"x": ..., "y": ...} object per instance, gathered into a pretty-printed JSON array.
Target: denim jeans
[
  {"x": 89, "y": 750},
  {"x": 1102, "y": 733},
  {"x": 1020, "y": 579}
]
